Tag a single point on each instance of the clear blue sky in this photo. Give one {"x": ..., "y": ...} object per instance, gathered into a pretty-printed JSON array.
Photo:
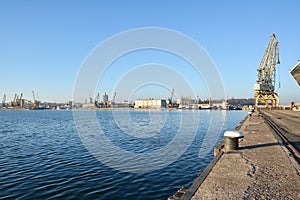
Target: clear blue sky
[{"x": 43, "y": 43}]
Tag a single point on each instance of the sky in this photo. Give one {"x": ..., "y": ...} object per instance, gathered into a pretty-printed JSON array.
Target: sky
[{"x": 43, "y": 44}]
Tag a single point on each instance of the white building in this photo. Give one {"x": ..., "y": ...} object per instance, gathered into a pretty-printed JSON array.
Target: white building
[{"x": 150, "y": 103}]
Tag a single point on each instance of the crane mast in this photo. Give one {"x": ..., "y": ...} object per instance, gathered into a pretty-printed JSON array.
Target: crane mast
[
  {"x": 170, "y": 104},
  {"x": 20, "y": 101},
  {"x": 265, "y": 84},
  {"x": 15, "y": 98},
  {"x": 113, "y": 100},
  {"x": 172, "y": 94},
  {"x": 3, "y": 100},
  {"x": 36, "y": 103},
  {"x": 33, "y": 96},
  {"x": 97, "y": 98}
]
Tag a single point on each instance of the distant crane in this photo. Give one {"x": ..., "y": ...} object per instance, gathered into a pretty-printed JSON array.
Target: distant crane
[
  {"x": 105, "y": 100},
  {"x": 14, "y": 103},
  {"x": 170, "y": 104},
  {"x": 20, "y": 101},
  {"x": 34, "y": 100},
  {"x": 97, "y": 102},
  {"x": 37, "y": 97},
  {"x": 97, "y": 98},
  {"x": 265, "y": 84},
  {"x": 36, "y": 103},
  {"x": 113, "y": 100},
  {"x": 3, "y": 101}
]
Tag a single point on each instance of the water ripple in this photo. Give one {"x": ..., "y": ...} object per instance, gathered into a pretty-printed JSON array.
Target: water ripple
[{"x": 42, "y": 157}]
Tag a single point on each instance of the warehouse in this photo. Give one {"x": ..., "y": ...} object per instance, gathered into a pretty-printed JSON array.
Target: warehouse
[{"x": 150, "y": 103}]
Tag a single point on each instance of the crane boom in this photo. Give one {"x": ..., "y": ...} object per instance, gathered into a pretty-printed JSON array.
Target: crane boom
[
  {"x": 3, "y": 101},
  {"x": 4, "y": 98},
  {"x": 114, "y": 97},
  {"x": 15, "y": 98},
  {"x": 172, "y": 94},
  {"x": 267, "y": 66},
  {"x": 170, "y": 104},
  {"x": 113, "y": 100},
  {"x": 97, "y": 97},
  {"x": 33, "y": 96}
]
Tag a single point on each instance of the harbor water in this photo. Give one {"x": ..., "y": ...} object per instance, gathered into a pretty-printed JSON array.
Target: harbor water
[{"x": 42, "y": 155}]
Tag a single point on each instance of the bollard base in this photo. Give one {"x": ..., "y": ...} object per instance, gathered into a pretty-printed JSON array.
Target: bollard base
[
  {"x": 231, "y": 143},
  {"x": 231, "y": 140}
]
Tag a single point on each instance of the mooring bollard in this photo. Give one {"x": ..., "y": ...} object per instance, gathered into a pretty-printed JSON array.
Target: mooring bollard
[
  {"x": 250, "y": 112},
  {"x": 231, "y": 139}
]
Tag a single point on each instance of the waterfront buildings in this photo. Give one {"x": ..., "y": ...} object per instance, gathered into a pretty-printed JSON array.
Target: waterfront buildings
[{"x": 150, "y": 103}]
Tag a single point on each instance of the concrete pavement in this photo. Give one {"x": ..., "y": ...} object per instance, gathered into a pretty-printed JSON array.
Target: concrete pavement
[{"x": 261, "y": 169}]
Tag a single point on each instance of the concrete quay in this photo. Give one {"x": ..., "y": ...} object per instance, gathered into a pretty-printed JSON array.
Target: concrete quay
[
  {"x": 289, "y": 121},
  {"x": 262, "y": 168}
]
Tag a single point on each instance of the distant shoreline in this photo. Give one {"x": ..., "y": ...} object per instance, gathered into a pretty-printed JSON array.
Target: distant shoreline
[{"x": 97, "y": 109}]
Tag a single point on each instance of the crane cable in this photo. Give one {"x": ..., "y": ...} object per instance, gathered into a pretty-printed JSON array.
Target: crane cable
[{"x": 278, "y": 77}]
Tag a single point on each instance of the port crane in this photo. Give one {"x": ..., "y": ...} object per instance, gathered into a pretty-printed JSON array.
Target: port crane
[
  {"x": 37, "y": 97},
  {"x": 170, "y": 104},
  {"x": 33, "y": 96},
  {"x": 20, "y": 100},
  {"x": 3, "y": 101},
  {"x": 113, "y": 100},
  {"x": 97, "y": 99},
  {"x": 265, "y": 84},
  {"x": 14, "y": 102},
  {"x": 36, "y": 103}
]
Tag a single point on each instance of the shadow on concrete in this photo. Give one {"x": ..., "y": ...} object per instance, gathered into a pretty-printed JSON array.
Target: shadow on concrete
[
  {"x": 261, "y": 145},
  {"x": 295, "y": 144}
]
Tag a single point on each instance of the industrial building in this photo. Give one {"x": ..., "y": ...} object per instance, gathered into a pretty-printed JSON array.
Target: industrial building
[
  {"x": 295, "y": 72},
  {"x": 150, "y": 103}
]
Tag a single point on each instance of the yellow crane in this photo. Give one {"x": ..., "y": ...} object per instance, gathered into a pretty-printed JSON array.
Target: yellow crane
[{"x": 265, "y": 84}]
